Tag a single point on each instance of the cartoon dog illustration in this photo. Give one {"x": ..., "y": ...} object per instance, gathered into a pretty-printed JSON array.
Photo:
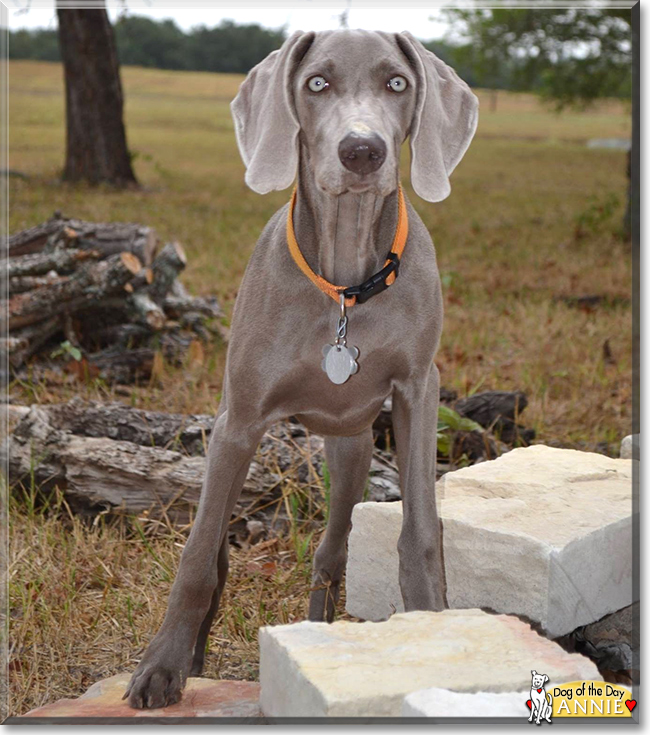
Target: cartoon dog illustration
[{"x": 541, "y": 703}]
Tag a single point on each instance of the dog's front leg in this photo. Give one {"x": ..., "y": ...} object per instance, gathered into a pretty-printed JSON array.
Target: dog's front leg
[
  {"x": 161, "y": 674},
  {"x": 348, "y": 459},
  {"x": 415, "y": 418}
]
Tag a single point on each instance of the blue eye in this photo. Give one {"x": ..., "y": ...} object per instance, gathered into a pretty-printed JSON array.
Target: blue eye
[
  {"x": 397, "y": 84},
  {"x": 317, "y": 84}
]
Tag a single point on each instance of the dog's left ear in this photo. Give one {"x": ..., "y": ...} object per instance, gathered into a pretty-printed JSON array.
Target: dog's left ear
[
  {"x": 545, "y": 677},
  {"x": 266, "y": 124},
  {"x": 444, "y": 123}
]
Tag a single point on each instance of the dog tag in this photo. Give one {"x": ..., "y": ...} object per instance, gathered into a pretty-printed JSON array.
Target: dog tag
[{"x": 339, "y": 362}]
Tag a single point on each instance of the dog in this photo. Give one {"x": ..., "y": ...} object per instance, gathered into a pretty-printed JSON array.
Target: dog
[
  {"x": 334, "y": 108},
  {"x": 540, "y": 707}
]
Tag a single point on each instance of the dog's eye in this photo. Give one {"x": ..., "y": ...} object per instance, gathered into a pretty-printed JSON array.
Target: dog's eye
[
  {"x": 317, "y": 84},
  {"x": 397, "y": 84}
]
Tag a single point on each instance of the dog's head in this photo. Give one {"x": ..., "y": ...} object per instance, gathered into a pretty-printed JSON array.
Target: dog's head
[
  {"x": 351, "y": 98},
  {"x": 538, "y": 680}
]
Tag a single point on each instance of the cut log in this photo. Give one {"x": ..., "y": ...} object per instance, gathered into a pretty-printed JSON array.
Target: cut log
[
  {"x": 90, "y": 283},
  {"x": 177, "y": 306},
  {"x": 33, "y": 337},
  {"x": 100, "y": 474},
  {"x": 107, "y": 238},
  {"x": 125, "y": 460},
  {"x": 166, "y": 267},
  {"x": 117, "y": 365},
  {"x": 189, "y": 433},
  {"x": 498, "y": 411},
  {"x": 146, "y": 311},
  {"x": 33, "y": 239},
  {"x": 21, "y": 284},
  {"x": 38, "y": 264}
]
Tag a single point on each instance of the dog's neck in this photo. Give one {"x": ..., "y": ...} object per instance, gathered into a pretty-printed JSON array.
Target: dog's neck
[{"x": 344, "y": 238}]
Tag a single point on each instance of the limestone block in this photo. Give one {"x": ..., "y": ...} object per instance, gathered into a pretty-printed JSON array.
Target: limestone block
[
  {"x": 437, "y": 702},
  {"x": 350, "y": 669},
  {"x": 540, "y": 532},
  {"x": 201, "y": 698},
  {"x": 630, "y": 447}
]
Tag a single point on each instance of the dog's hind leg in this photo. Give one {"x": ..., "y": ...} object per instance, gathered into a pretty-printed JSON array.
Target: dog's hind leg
[
  {"x": 421, "y": 571},
  {"x": 348, "y": 460},
  {"x": 161, "y": 674}
]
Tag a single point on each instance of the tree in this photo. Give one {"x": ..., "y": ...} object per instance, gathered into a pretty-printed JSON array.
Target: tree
[
  {"x": 571, "y": 56},
  {"x": 96, "y": 149}
]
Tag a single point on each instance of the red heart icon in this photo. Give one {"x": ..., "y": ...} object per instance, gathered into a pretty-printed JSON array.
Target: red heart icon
[
  {"x": 630, "y": 704},
  {"x": 539, "y": 691},
  {"x": 529, "y": 704}
]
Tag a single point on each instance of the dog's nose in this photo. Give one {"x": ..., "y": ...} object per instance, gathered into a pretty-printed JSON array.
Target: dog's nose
[{"x": 362, "y": 154}]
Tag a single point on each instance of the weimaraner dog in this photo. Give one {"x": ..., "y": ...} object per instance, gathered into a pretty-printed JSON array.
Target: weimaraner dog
[{"x": 332, "y": 108}]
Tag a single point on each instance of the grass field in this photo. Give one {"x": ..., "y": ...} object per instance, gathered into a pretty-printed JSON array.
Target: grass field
[{"x": 534, "y": 217}]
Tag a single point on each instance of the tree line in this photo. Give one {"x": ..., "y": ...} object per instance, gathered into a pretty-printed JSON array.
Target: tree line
[
  {"x": 140, "y": 41},
  {"x": 495, "y": 56}
]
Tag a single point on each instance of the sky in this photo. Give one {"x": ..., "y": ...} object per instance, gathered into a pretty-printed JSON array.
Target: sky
[{"x": 422, "y": 21}]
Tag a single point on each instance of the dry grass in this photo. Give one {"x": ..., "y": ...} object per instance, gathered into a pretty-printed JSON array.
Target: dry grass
[
  {"x": 533, "y": 217},
  {"x": 87, "y": 595}
]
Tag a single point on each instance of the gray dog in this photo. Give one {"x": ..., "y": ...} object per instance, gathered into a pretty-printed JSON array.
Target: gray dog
[{"x": 333, "y": 108}]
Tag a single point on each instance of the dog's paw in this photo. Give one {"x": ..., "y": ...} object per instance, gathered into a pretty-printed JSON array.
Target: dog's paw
[{"x": 152, "y": 687}]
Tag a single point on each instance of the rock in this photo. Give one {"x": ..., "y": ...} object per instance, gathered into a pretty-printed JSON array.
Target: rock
[
  {"x": 437, "y": 702},
  {"x": 542, "y": 533},
  {"x": 201, "y": 698},
  {"x": 630, "y": 447},
  {"x": 349, "y": 669}
]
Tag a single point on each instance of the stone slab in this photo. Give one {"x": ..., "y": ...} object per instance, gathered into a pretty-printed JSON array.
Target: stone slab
[
  {"x": 437, "y": 702},
  {"x": 353, "y": 669},
  {"x": 630, "y": 447},
  {"x": 540, "y": 532},
  {"x": 201, "y": 698}
]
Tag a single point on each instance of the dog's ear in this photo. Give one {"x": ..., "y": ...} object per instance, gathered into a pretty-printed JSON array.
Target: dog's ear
[
  {"x": 545, "y": 677},
  {"x": 266, "y": 124},
  {"x": 444, "y": 123},
  {"x": 534, "y": 673}
]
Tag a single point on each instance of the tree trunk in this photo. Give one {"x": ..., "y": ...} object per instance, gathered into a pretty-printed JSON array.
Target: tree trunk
[{"x": 96, "y": 149}]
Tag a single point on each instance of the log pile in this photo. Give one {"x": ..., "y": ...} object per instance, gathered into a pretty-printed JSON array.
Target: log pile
[{"x": 107, "y": 291}]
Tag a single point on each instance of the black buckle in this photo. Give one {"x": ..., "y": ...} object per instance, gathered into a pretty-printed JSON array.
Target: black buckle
[{"x": 375, "y": 284}]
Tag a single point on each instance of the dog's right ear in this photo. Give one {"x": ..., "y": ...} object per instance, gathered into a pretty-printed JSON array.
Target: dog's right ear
[
  {"x": 534, "y": 673},
  {"x": 266, "y": 124},
  {"x": 444, "y": 123}
]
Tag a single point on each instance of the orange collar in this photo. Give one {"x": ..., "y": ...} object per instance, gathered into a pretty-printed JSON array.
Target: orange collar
[{"x": 380, "y": 281}]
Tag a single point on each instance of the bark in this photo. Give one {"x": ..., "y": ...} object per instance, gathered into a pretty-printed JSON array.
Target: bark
[
  {"x": 146, "y": 428},
  {"x": 124, "y": 460},
  {"x": 21, "y": 284},
  {"x": 96, "y": 148},
  {"x": 497, "y": 411},
  {"x": 145, "y": 311},
  {"x": 107, "y": 238},
  {"x": 32, "y": 338},
  {"x": 89, "y": 284},
  {"x": 166, "y": 267},
  {"x": 38, "y": 264},
  {"x": 101, "y": 474},
  {"x": 117, "y": 365},
  {"x": 33, "y": 239},
  {"x": 177, "y": 306}
]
